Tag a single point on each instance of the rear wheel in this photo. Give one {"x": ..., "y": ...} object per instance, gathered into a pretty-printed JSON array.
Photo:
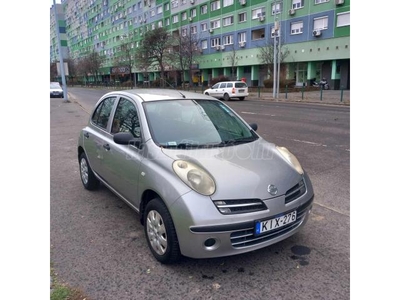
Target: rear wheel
[
  {"x": 241, "y": 98},
  {"x": 160, "y": 232},
  {"x": 207, "y": 94},
  {"x": 226, "y": 97},
  {"x": 89, "y": 180}
]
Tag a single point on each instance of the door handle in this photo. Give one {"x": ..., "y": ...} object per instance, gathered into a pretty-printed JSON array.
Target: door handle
[
  {"x": 86, "y": 135},
  {"x": 106, "y": 146}
]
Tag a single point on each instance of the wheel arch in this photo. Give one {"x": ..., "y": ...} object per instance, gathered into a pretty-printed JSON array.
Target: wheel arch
[{"x": 145, "y": 199}]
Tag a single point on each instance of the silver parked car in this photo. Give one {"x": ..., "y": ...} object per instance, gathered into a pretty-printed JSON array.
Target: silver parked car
[{"x": 204, "y": 183}]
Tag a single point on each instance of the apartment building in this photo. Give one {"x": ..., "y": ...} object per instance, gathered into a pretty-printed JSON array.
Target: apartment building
[{"x": 314, "y": 33}]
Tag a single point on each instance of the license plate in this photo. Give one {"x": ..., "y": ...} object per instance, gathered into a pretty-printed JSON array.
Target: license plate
[
  {"x": 241, "y": 91},
  {"x": 275, "y": 223}
]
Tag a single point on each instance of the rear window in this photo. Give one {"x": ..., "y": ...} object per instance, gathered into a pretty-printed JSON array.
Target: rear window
[{"x": 240, "y": 84}]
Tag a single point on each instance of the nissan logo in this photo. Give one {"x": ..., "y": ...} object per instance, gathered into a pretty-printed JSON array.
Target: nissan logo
[{"x": 273, "y": 190}]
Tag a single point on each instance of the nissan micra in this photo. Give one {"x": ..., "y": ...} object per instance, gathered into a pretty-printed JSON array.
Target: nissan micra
[{"x": 203, "y": 182}]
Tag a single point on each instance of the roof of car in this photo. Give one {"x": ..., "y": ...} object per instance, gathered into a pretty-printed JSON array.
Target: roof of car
[{"x": 154, "y": 94}]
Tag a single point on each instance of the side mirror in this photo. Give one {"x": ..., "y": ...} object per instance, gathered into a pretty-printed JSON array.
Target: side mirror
[
  {"x": 254, "y": 126},
  {"x": 126, "y": 138}
]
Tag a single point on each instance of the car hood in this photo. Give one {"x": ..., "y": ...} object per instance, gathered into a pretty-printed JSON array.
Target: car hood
[{"x": 242, "y": 171}]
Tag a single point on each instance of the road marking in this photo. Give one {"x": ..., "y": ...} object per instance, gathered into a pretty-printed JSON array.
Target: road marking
[
  {"x": 311, "y": 143},
  {"x": 252, "y": 113}
]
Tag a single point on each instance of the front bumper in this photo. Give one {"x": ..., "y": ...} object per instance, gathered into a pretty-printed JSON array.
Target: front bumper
[{"x": 204, "y": 233}]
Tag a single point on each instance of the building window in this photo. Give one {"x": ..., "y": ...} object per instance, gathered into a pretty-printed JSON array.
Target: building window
[
  {"x": 321, "y": 23},
  {"x": 203, "y": 9},
  {"x": 227, "y": 3},
  {"x": 227, "y": 21},
  {"x": 296, "y": 28},
  {"x": 215, "y": 42},
  {"x": 193, "y": 12},
  {"x": 204, "y": 44},
  {"x": 184, "y": 31},
  {"x": 193, "y": 29},
  {"x": 215, "y": 5},
  {"x": 343, "y": 19},
  {"x": 242, "y": 17},
  {"x": 167, "y": 21},
  {"x": 276, "y": 8},
  {"x": 175, "y": 19},
  {"x": 215, "y": 24},
  {"x": 166, "y": 6},
  {"x": 228, "y": 40},
  {"x": 160, "y": 24},
  {"x": 159, "y": 10},
  {"x": 320, "y": 1},
  {"x": 242, "y": 37},
  {"x": 256, "y": 13},
  {"x": 184, "y": 16},
  {"x": 258, "y": 34},
  {"x": 297, "y": 4},
  {"x": 174, "y": 4},
  {"x": 203, "y": 26}
]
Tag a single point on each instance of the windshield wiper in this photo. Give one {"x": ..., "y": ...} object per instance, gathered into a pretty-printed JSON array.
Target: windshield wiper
[
  {"x": 181, "y": 145},
  {"x": 236, "y": 142}
]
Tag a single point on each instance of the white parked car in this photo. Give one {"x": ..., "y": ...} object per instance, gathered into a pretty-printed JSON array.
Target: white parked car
[{"x": 227, "y": 90}]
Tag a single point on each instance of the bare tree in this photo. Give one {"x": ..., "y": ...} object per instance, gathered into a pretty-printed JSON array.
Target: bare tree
[
  {"x": 154, "y": 50},
  {"x": 126, "y": 57},
  {"x": 233, "y": 61},
  {"x": 185, "y": 51},
  {"x": 266, "y": 52}
]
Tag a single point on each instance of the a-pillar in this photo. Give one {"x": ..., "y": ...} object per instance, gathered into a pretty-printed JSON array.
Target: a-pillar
[
  {"x": 311, "y": 72},
  {"x": 255, "y": 75}
]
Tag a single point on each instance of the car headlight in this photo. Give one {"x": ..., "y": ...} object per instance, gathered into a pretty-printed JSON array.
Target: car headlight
[
  {"x": 291, "y": 159},
  {"x": 195, "y": 177}
]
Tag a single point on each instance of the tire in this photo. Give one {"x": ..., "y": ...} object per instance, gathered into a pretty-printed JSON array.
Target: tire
[
  {"x": 207, "y": 94},
  {"x": 326, "y": 87},
  {"x": 241, "y": 98},
  {"x": 89, "y": 180},
  {"x": 226, "y": 97},
  {"x": 160, "y": 232}
]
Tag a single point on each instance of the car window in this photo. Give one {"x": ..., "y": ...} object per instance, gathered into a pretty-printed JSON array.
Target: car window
[
  {"x": 102, "y": 112},
  {"x": 215, "y": 86},
  {"x": 55, "y": 85},
  {"x": 229, "y": 84},
  {"x": 240, "y": 84},
  {"x": 194, "y": 122},
  {"x": 126, "y": 118},
  {"x": 222, "y": 85}
]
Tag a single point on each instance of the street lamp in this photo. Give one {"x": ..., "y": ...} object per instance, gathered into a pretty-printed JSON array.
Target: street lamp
[{"x": 64, "y": 84}]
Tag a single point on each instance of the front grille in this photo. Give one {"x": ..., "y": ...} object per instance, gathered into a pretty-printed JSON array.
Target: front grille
[
  {"x": 246, "y": 237},
  {"x": 239, "y": 206},
  {"x": 295, "y": 192}
]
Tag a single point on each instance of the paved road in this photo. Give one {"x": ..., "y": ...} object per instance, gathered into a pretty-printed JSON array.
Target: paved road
[{"x": 98, "y": 244}]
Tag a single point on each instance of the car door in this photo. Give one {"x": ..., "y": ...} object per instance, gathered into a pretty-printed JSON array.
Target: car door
[
  {"x": 214, "y": 90},
  {"x": 122, "y": 162},
  {"x": 95, "y": 135},
  {"x": 221, "y": 89}
]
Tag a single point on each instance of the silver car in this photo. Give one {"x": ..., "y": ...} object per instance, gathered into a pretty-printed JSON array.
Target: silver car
[{"x": 204, "y": 183}]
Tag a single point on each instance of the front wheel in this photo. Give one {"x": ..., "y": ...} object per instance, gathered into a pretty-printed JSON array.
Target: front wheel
[
  {"x": 160, "y": 232},
  {"x": 226, "y": 97}
]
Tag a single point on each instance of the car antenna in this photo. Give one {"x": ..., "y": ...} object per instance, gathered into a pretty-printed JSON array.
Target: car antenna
[{"x": 182, "y": 94}]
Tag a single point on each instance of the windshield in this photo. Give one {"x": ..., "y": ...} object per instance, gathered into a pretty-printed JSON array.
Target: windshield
[
  {"x": 195, "y": 123},
  {"x": 55, "y": 85}
]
